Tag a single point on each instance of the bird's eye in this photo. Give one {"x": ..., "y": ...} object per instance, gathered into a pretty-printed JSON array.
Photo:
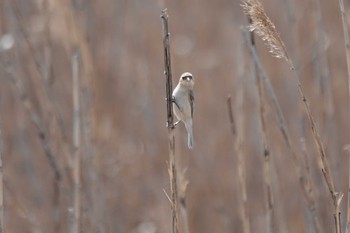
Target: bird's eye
[{"x": 187, "y": 77}]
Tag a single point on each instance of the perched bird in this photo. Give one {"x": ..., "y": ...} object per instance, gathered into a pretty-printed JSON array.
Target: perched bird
[{"x": 183, "y": 100}]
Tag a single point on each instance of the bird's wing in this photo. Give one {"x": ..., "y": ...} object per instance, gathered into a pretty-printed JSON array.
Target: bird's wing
[
  {"x": 174, "y": 101},
  {"x": 191, "y": 99}
]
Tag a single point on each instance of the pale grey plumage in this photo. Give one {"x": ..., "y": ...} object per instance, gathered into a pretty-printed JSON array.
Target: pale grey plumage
[{"x": 184, "y": 104}]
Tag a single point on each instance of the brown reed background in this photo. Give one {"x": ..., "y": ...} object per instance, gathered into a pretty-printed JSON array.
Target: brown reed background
[{"x": 123, "y": 147}]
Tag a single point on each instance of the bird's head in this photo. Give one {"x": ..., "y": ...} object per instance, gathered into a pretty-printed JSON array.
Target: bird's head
[{"x": 186, "y": 80}]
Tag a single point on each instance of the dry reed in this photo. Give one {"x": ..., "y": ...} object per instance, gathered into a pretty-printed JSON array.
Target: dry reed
[
  {"x": 170, "y": 121},
  {"x": 347, "y": 52},
  {"x": 266, "y": 152},
  {"x": 283, "y": 128},
  {"x": 1, "y": 182},
  {"x": 238, "y": 135},
  {"x": 183, "y": 183},
  {"x": 75, "y": 228},
  {"x": 264, "y": 27},
  {"x": 308, "y": 186}
]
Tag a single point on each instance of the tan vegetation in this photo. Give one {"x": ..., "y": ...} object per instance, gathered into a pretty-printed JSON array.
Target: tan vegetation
[{"x": 83, "y": 116}]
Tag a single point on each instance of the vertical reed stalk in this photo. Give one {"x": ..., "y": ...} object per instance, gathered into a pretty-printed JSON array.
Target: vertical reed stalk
[
  {"x": 238, "y": 146},
  {"x": 308, "y": 185},
  {"x": 170, "y": 121},
  {"x": 346, "y": 39},
  {"x": 266, "y": 148},
  {"x": 76, "y": 143},
  {"x": 347, "y": 52},
  {"x": 1, "y": 184}
]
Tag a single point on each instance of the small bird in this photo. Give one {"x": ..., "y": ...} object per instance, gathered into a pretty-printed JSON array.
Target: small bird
[{"x": 183, "y": 100}]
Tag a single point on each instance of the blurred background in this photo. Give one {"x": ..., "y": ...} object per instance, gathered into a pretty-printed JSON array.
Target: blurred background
[{"x": 115, "y": 49}]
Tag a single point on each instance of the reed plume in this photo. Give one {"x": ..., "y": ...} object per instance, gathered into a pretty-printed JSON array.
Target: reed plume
[{"x": 264, "y": 28}]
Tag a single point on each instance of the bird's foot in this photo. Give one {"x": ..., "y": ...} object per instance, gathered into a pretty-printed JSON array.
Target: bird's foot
[
  {"x": 172, "y": 126},
  {"x": 172, "y": 99}
]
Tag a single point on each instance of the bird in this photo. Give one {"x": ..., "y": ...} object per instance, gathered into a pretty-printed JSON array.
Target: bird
[{"x": 183, "y": 104}]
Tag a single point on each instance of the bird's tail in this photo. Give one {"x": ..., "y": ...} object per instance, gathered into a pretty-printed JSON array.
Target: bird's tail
[{"x": 190, "y": 135}]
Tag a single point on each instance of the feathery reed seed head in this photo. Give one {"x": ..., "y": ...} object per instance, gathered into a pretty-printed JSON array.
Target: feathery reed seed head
[{"x": 264, "y": 28}]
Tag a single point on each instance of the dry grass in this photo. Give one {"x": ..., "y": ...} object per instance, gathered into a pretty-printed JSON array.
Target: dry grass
[
  {"x": 238, "y": 135},
  {"x": 347, "y": 52},
  {"x": 263, "y": 27},
  {"x": 123, "y": 147}
]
